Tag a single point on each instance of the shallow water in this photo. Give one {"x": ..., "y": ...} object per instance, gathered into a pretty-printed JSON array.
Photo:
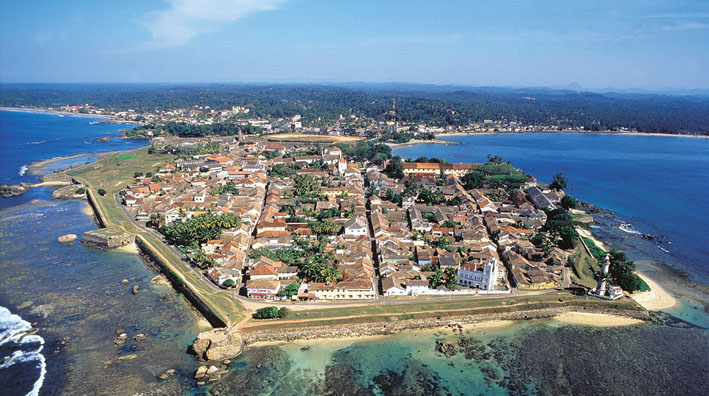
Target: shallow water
[
  {"x": 74, "y": 296},
  {"x": 535, "y": 357}
]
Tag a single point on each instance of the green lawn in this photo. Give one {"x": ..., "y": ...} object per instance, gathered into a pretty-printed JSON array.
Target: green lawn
[
  {"x": 434, "y": 310},
  {"x": 584, "y": 267}
]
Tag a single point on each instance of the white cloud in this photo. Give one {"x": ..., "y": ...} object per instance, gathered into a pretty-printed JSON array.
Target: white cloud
[
  {"x": 186, "y": 19},
  {"x": 678, "y": 15},
  {"x": 686, "y": 26}
]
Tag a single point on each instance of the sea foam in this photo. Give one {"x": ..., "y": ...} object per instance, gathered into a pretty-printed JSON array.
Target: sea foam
[{"x": 15, "y": 329}]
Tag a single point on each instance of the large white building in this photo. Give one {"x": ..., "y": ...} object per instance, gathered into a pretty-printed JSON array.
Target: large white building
[{"x": 479, "y": 275}]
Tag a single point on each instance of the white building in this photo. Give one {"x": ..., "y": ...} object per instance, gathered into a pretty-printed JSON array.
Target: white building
[{"x": 479, "y": 275}]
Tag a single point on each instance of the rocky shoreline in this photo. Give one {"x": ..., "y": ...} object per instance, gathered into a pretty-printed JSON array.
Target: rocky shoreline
[{"x": 389, "y": 328}]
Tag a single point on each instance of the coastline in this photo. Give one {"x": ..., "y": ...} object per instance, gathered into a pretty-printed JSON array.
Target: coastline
[
  {"x": 46, "y": 111},
  {"x": 108, "y": 119},
  {"x": 440, "y": 136},
  {"x": 596, "y": 320}
]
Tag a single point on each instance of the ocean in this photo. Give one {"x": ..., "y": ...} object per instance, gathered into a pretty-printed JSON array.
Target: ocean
[
  {"x": 70, "y": 302},
  {"x": 658, "y": 185}
]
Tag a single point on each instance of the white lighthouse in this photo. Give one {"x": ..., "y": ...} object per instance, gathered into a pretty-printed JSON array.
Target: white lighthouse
[{"x": 603, "y": 289}]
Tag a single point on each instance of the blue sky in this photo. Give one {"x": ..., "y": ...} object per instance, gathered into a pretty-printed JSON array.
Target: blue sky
[{"x": 642, "y": 44}]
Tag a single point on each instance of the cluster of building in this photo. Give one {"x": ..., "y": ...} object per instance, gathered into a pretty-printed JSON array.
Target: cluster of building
[
  {"x": 470, "y": 233},
  {"x": 377, "y": 243}
]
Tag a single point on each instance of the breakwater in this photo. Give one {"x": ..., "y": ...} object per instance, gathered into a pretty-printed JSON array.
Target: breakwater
[{"x": 253, "y": 335}]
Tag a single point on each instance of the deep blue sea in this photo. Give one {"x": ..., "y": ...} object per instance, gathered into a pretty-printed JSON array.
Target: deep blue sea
[
  {"x": 27, "y": 137},
  {"x": 65, "y": 303}
]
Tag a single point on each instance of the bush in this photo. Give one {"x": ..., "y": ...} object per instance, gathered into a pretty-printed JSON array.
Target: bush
[
  {"x": 283, "y": 312},
  {"x": 101, "y": 192},
  {"x": 270, "y": 313}
]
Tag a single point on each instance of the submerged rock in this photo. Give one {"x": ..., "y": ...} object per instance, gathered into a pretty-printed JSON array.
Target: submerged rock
[{"x": 218, "y": 345}]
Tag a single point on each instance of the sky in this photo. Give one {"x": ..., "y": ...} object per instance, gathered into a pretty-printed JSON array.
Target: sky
[{"x": 623, "y": 44}]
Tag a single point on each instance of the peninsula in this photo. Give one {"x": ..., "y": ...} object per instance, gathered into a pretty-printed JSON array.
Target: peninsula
[{"x": 342, "y": 238}]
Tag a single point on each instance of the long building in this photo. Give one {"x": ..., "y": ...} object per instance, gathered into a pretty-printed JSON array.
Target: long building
[{"x": 434, "y": 168}]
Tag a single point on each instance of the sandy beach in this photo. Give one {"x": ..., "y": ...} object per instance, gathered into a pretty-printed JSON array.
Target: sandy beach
[
  {"x": 47, "y": 111},
  {"x": 51, "y": 183},
  {"x": 86, "y": 209},
  {"x": 596, "y": 320},
  {"x": 37, "y": 167},
  {"x": 132, "y": 248},
  {"x": 654, "y": 300}
]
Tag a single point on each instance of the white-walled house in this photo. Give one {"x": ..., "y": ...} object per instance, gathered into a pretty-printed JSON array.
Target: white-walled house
[{"x": 479, "y": 275}]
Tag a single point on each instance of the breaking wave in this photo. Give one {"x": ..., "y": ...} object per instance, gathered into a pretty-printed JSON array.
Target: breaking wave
[{"x": 21, "y": 360}]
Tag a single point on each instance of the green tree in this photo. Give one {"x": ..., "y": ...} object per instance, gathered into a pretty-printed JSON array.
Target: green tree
[
  {"x": 450, "y": 223},
  {"x": 304, "y": 185},
  {"x": 569, "y": 202},
  {"x": 395, "y": 168},
  {"x": 266, "y": 313},
  {"x": 436, "y": 278},
  {"x": 289, "y": 290},
  {"x": 622, "y": 272},
  {"x": 568, "y": 237},
  {"x": 559, "y": 182},
  {"x": 451, "y": 277},
  {"x": 229, "y": 283},
  {"x": 101, "y": 192}
]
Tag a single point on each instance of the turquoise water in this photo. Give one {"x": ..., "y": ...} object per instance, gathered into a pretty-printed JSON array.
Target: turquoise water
[
  {"x": 536, "y": 357},
  {"x": 74, "y": 297}
]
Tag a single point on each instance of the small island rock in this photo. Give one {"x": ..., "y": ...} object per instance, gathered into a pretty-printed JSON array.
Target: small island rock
[
  {"x": 67, "y": 238},
  {"x": 217, "y": 345}
]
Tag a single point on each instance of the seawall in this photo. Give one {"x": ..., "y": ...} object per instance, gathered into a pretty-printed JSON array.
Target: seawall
[
  {"x": 151, "y": 256},
  {"x": 179, "y": 284},
  {"x": 100, "y": 218},
  {"x": 388, "y": 328}
]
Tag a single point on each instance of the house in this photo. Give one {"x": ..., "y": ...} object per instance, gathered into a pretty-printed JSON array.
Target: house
[
  {"x": 539, "y": 200},
  {"x": 262, "y": 288},
  {"x": 332, "y": 150},
  {"x": 392, "y": 287},
  {"x": 263, "y": 272},
  {"x": 275, "y": 147},
  {"x": 356, "y": 226}
]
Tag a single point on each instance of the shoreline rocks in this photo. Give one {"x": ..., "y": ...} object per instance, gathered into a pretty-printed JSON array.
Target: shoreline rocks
[
  {"x": 217, "y": 345},
  {"x": 13, "y": 190}
]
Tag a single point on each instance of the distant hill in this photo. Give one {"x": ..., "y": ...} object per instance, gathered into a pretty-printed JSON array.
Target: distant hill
[{"x": 431, "y": 104}]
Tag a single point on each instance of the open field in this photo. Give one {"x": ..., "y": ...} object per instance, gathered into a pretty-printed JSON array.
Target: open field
[
  {"x": 301, "y": 137},
  {"x": 387, "y": 312}
]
